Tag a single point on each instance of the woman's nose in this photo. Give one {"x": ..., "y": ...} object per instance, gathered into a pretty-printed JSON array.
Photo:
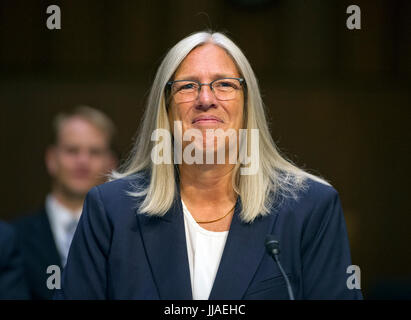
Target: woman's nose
[{"x": 206, "y": 96}]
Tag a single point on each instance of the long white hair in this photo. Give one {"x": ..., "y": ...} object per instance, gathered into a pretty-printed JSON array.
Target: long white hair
[{"x": 276, "y": 178}]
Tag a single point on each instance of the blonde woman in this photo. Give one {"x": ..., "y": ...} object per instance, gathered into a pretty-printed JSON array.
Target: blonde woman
[{"x": 168, "y": 227}]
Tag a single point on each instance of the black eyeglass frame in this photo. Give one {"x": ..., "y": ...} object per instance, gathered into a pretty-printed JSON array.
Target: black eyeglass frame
[{"x": 210, "y": 84}]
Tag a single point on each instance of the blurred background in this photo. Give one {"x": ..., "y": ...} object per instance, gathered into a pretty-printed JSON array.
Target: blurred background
[{"x": 338, "y": 100}]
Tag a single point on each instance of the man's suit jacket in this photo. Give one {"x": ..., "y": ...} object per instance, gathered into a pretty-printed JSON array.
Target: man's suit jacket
[
  {"x": 12, "y": 282},
  {"x": 118, "y": 253},
  {"x": 39, "y": 251}
]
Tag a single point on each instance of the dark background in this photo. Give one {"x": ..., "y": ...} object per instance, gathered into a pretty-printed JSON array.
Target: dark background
[{"x": 338, "y": 100}]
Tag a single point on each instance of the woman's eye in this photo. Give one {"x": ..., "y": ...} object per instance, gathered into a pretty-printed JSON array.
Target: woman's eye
[
  {"x": 225, "y": 84},
  {"x": 187, "y": 86}
]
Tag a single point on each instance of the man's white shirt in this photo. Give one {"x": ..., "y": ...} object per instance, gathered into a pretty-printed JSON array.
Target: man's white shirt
[{"x": 62, "y": 221}]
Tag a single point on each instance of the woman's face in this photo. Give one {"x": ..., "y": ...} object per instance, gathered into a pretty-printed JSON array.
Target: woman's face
[{"x": 205, "y": 64}]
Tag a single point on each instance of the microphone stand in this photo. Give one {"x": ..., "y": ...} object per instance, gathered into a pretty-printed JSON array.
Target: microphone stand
[{"x": 273, "y": 248}]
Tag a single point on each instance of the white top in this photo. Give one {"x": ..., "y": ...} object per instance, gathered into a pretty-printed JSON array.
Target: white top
[
  {"x": 63, "y": 223},
  {"x": 204, "y": 249}
]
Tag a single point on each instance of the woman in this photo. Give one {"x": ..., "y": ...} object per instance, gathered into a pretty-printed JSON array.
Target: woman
[{"x": 183, "y": 229}]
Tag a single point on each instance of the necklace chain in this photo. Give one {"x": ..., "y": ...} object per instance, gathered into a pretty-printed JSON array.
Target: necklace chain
[{"x": 215, "y": 220}]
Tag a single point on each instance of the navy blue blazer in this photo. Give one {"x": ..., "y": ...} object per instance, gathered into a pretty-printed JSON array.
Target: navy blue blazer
[
  {"x": 39, "y": 251},
  {"x": 118, "y": 253},
  {"x": 12, "y": 281}
]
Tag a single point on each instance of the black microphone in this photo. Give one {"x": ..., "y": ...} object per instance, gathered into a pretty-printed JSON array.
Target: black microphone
[{"x": 272, "y": 245}]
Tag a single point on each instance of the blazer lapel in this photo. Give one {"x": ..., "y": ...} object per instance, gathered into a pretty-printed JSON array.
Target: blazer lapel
[
  {"x": 165, "y": 245},
  {"x": 242, "y": 254},
  {"x": 45, "y": 241}
]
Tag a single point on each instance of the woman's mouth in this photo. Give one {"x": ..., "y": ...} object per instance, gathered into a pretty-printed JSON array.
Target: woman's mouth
[{"x": 207, "y": 120}]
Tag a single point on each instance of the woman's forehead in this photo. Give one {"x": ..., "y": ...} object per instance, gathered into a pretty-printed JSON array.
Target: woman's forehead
[{"x": 207, "y": 60}]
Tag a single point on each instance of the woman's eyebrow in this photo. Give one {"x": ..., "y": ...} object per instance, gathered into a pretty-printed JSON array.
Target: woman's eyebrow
[{"x": 214, "y": 77}]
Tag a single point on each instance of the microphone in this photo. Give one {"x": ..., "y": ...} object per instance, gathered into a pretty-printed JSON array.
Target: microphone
[{"x": 272, "y": 245}]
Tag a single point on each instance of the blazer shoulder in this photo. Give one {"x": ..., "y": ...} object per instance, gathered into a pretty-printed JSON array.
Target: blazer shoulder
[
  {"x": 8, "y": 244},
  {"x": 30, "y": 220},
  {"x": 315, "y": 195},
  {"x": 6, "y": 233},
  {"x": 121, "y": 186},
  {"x": 119, "y": 193},
  {"x": 319, "y": 189}
]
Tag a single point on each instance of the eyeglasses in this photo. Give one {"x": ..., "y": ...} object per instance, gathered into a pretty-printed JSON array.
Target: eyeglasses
[{"x": 188, "y": 90}]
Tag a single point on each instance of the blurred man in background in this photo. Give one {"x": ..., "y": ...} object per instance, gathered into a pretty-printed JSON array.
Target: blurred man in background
[{"x": 79, "y": 158}]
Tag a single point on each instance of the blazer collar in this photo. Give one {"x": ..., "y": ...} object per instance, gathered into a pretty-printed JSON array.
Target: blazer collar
[
  {"x": 44, "y": 242},
  {"x": 243, "y": 252},
  {"x": 165, "y": 243}
]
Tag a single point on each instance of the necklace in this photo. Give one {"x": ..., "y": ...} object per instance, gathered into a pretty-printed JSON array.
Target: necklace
[{"x": 218, "y": 218}]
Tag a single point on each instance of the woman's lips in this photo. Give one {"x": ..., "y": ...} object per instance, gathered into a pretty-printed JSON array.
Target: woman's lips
[{"x": 206, "y": 119}]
